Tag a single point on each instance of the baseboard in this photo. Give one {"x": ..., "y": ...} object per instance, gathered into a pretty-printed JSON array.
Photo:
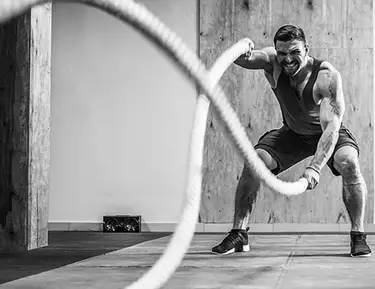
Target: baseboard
[{"x": 219, "y": 227}]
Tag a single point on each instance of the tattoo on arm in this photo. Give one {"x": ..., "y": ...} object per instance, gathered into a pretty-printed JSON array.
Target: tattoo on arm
[
  {"x": 324, "y": 149},
  {"x": 331, "y": 113},
  {"x": 334, "y": 104}
]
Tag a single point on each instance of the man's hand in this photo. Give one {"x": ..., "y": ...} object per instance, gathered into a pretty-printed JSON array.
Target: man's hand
[
  {"x": 312, "y": 177},
  {"x": 251, "y": 45}
]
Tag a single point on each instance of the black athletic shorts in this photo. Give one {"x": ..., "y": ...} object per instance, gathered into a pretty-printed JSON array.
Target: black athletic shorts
[{"x": 289, "y": 148}]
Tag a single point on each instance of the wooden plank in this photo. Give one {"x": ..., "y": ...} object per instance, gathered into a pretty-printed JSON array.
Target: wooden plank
[
  {"x": 29, "y": 125},
  {"x": 222, "y": 164},
  {"x": 40, "y": 94},
  {"x": 356, "y": 67},
  {"x": 359, "y": 24},
  {"x": 258, "y": 109},
  {"x": 322, "y": 20},
  {"x": 223, "y": 22}
]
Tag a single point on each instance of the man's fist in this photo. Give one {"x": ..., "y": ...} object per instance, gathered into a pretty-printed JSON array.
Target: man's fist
[
  {"x": 312, "y": 177},
  {"x": 251, "y": 45}
]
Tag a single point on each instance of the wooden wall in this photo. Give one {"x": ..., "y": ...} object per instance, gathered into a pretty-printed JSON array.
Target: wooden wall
[
  {"x": 25, "y": 63},
  {"x": 340, "y": 31}
]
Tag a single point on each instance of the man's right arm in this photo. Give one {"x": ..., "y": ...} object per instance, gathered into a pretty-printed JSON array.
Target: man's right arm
[{"x": 258, "y": 59}]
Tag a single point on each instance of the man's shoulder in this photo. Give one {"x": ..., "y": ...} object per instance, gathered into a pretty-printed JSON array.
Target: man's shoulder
[
  {"x": 327, "y": 69},
  {"x": 327, "y": 75}
]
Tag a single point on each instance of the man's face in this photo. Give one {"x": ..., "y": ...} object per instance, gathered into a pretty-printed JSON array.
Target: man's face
[{"x": 291, "y": 55}]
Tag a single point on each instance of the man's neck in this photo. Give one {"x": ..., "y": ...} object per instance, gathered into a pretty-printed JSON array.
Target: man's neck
[{"x": 303, "y": 72}]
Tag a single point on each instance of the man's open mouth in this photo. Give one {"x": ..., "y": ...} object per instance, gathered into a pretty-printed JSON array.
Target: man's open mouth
[{"x": 291, "y": 65}]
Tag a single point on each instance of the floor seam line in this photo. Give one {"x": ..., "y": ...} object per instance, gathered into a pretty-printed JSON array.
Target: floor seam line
[{"x": 284, "y": 270}]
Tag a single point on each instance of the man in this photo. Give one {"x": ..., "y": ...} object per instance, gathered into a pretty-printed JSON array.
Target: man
[{"x": 311, "y": 99}]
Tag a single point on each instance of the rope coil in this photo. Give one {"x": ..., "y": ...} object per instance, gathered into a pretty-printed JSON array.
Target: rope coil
[{"x": 146, "y": 23}]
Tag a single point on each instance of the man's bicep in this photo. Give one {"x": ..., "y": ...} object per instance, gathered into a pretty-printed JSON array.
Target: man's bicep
[{"x": 332, "y": 107}]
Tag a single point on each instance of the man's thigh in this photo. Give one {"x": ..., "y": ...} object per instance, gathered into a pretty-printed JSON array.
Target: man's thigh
[{"x": 286, "y": 147}]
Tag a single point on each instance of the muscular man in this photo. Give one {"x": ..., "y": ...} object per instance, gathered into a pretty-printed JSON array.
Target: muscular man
[{"x": 311, "y": 98}]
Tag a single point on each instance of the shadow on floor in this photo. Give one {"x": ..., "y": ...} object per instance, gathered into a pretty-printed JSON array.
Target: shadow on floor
[{"x": 66, "y": 248}]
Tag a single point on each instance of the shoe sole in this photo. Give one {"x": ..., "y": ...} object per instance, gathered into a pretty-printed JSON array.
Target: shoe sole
[
  {"x": 245, "y": 248},
  {"x": 361, "y": 256}
]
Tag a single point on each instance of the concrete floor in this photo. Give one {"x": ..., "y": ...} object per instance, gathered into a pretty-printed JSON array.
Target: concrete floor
[
  {"x": 64, "y": 248},
  {"x": 274, "y": 261}
]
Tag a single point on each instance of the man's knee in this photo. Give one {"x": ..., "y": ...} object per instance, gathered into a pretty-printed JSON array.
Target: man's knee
[
  {"x": 268, "y": 160},
  {"x": 346, "y": 162}
]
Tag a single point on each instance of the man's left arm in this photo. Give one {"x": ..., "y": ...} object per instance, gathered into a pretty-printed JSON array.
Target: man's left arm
[{"x": 332, "y": 109}]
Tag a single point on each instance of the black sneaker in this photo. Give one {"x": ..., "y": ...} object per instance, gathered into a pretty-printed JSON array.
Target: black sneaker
[
  {"x": 358, "y": 245},
  {"x": 236, "y": 240}
]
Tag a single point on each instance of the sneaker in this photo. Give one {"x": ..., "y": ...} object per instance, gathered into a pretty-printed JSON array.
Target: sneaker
[
  {"x": 358, "y": 245},
  {"x": 236, "y": 240}
]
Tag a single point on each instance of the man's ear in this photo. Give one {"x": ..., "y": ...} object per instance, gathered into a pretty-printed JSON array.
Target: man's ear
[{"x": 307, "y": 48}]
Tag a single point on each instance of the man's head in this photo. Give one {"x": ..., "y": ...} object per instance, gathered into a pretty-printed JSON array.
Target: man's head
[{"x": 292, "y": 49}]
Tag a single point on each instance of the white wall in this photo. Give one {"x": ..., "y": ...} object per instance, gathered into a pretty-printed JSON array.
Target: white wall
[{"x": 121, "y": 116}]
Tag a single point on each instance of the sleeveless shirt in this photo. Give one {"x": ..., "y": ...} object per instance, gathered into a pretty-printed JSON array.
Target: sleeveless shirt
[{"x": 300, "y": 114}]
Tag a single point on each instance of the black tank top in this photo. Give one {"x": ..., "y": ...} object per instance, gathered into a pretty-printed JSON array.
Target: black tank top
[{"x": 300, "y": 114}]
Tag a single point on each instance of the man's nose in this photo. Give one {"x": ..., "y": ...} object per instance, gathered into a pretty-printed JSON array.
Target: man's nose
[{"x": 288, "y": 58}]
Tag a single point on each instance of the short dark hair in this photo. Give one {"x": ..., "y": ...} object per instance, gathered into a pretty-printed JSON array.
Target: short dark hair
[{"x": 289, "y": 32}]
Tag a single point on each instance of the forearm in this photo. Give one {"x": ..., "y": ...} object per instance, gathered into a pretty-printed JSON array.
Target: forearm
[
  {"x": 242, "y": 60},
  {"x": 255, "y": 59},
  {"x": 326, "y": 145}
]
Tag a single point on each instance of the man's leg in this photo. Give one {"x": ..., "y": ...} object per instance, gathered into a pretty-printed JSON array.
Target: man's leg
[
  {"x": 278, "y": 149},
  {"x": 354, "y": 194},
  {"x": 247, "y": 191},
  {"x": 245, "y": 200},
  {"x": 354, "y": 187}
]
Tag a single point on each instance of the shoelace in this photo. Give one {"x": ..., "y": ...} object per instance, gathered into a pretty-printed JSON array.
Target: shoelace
[
  {"x": 360, "y": 238},
  {"x": 235, "y": 238}
]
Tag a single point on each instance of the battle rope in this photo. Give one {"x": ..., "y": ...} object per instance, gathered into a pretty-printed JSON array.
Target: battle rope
[{"x": 146, "y": 23}]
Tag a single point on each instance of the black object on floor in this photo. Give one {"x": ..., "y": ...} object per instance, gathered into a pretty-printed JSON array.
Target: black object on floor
[{"x": 66, "y": 248}]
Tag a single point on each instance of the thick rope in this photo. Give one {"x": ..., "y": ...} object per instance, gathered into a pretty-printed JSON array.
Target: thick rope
[{"x": 142, "y": 20}]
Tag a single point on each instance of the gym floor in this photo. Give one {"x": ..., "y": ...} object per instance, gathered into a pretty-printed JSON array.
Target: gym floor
[{"x": 115, "y": 260}]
